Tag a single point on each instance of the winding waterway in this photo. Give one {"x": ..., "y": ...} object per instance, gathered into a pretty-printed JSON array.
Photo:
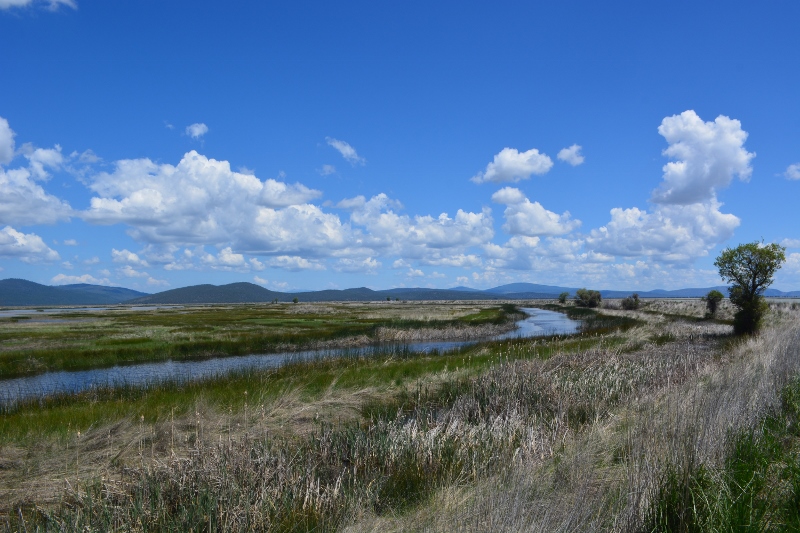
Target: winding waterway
[{"x": 537, "y": 323}]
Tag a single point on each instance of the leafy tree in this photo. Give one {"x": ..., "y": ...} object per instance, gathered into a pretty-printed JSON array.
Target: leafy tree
[
  {"x": 562, "y": 298},
  {"x": 631, "y": 302},
  {"x": 585, "y": 298},
  {"x": 713, "y": 298},
  {"x": 295, "y": 299},
  {"x": 749, "y": 268}
]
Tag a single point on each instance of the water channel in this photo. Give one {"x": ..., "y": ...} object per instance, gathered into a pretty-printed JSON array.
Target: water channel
[{"x": 537, "y": 323}]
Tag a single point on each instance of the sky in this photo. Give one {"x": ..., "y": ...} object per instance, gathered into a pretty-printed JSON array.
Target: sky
[{"x": 314, "y": 145}]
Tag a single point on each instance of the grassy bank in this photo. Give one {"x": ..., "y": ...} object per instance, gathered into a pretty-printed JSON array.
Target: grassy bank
[
  {"x": 84, "y": 340},
  {"x": 332, "y": 442}
]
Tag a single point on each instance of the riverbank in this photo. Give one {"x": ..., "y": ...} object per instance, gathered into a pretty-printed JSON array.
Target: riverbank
[{"x": 85, "y": 339}]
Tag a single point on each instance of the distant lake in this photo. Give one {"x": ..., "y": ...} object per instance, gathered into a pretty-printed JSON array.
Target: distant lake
[{"x": 538, "y": 323}]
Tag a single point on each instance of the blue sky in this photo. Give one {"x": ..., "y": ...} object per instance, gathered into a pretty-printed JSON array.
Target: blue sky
[{"x": 312, "y": 145}]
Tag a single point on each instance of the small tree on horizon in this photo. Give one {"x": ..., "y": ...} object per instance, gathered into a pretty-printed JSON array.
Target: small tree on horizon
[
  {"x": 713, "y": 298},
  {"x": 586, "y": 298},
  {"x": 750, "y": 269},
  {"x": 562, "y": 298},
  {"x": 631, "y": 302}
]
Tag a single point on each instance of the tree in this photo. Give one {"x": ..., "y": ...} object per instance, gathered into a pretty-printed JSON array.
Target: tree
[
  {"x": 631, "y": 302},
  {"x": 584, "y": 298},
  {"x": 295, "y": 299},
  {"x": 749, "y": 268},
  {"x": 562, "y": 298},
  {"x": 713, "y": 298}
]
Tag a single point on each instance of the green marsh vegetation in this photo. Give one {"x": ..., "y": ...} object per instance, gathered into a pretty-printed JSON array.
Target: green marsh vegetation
[
  {"x": 83, "y": 340},
  {"x": 602, "y": 431}
]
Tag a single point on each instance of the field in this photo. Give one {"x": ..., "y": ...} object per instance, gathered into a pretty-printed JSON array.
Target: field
[
  {"x": 649, "y": 420},
  {"x": 89, "y": 339}
]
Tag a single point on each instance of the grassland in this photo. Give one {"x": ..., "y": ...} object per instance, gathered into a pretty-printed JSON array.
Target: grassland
[
  {"x": 92, "y": 339},
  {"x": 650, "y": 420}
]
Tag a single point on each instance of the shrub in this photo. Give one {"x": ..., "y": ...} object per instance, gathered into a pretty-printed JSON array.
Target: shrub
[
  {"x": 586, "y": 298},
  {"x": 562, "y": 298},
  {"x": 631, "y": 302},
  {"x": 713, "y": 298}
]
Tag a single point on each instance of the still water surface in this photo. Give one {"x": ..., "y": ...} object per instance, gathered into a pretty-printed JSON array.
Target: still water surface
[{"x": 539, "y": 322}]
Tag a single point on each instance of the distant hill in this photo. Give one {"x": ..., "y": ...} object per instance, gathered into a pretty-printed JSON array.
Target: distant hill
[
  {"x": 212, "y": 294},
  {"x": 20, "y": 292}
]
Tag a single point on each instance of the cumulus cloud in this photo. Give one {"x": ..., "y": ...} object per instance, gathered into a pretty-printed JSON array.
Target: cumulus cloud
[
  {"x": 415, "y": 273},
  {"x": 41, "y": 159},
  {"x": 130, "y": 272},
  {"x": 22, "y": 200},
  {"x": 670, "y": 233},
  {"x": 27, "y": 247},
  {"x": 420, "y": 236},
  {"x": 707, "y": 157},
  {"x": 6, "y": 140},
  {"x": 70, "y": 242},
  {"x": 196, "y": 130},
  {"x": 686, "y": 221},
  {"x": 202, "y": 201},
  {"x": 365, "y": 266},
  {"x": 791, "y": 243},
  {"x": 127, "y": 257},
  {"x": 347, "y": 151},
  {"x": 571, "y": 155},
  {"x": 294, "y": 263},
  {"x": 524, "y": 217},
  {"x": 793, "y": 172},
  {"x": 511, "y": 165},
  {"x": 63, "y": 279}
]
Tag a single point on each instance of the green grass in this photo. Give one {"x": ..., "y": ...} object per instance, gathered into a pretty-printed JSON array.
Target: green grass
[
  {"x": 758, "y": 489},
  {"x": 94, "y": 340}
]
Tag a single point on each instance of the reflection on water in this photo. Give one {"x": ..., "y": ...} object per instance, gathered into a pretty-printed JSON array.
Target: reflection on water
[{"x": 538, "y": 323}]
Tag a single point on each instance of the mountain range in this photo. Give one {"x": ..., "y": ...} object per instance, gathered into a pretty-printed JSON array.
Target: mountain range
[{"x": 20, "y": 292}]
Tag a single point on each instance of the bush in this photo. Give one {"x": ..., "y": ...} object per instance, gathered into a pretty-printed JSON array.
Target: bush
[
  {"x": 631, "y": 302},
  {"x": 586, "y": 298},
  {"x": 562, "y": 298},
  {"x": 713, "y": 298}
]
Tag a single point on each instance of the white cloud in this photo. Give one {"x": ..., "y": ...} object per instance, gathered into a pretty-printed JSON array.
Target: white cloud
[
  {"x": 67, "y": 265},
  {"x": 257, "y": 265},
  {"x": 294, "y": 263},
  {"x": 201, "y": 201},
  {"x": 196, "y": 130},
  {"x": 571, "y": 155},
  {"x": 327, "y": 170},
  {"x": 415, "y": 273},
  {"x": 41, "y": 159},
  {"x": 226, "y": 257},
  {"x": 347, "y": 151},
  {"x": 793, "y": 172},
  {"x": 27, "y": 247},
  {"x": 6, "y": 139},
  {"x": 707, "y": 157},
  {"x": 153, "y": 282},
  {"x": 791, "y": 243},
  {"x": 127, "y": 257},
  {"x": 524, "y": 217},
  {"x": 130, "y": 272},
  {"x": 70, "y": 242},
  {"x": 23, "y": 201},
  {"x": 420, "y": 236},
  {"x": 400, "y": 263},
  {"x": 457, "y": 260},
  {"x": 62, "y": 279},
  {"x": 260, "y": 281},
  {"x": 51, "y": 5},
  {"x": 91, "y": 261},
  {"x": 670, "y": 233},
  {"x": 366, "y": 266},
  {"x": 512, "y": 165}
]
